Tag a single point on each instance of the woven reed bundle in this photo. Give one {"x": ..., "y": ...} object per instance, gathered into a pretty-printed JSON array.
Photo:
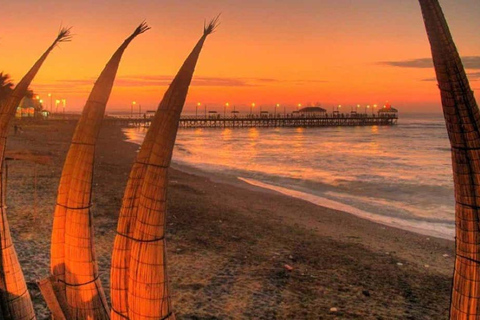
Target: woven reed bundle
[
  {"x": 15, "y": 302},
  {"x": 139, "y": 287},
  {"x": 73, "y": 263},
  {"x": 463, "y": 125}
]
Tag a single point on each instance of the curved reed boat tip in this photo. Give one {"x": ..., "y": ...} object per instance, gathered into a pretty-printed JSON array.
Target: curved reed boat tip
[
  {"x": 64, "y": 35},
  {"x": 212, "y": 25},
  {"x": 143, "y": 27}
]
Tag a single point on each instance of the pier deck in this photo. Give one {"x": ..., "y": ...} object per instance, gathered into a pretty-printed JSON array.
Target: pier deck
[{"x": 255, "y": 121}]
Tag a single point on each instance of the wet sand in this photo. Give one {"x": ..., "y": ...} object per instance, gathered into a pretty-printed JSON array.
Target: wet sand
[{"x": 235, "y": 251}]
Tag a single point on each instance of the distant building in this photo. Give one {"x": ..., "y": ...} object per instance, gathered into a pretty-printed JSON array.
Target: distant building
[
  {"x": 387, "y": 111},
  {"x": 28, "y": 108},
  {"x": 312, "y": 111}
]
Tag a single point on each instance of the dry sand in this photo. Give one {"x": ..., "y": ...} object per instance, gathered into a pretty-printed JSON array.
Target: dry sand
[{"x": 229, "y": 243}]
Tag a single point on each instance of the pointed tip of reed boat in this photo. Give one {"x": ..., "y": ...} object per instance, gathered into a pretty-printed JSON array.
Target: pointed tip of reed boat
[
  {"x": 64, "y": 35},
  {"x": 143, "y": 27},
  {"x": 211, "y": 26}
]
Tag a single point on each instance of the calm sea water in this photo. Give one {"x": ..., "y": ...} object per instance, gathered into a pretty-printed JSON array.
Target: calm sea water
[{"x": 398, "y": 175}]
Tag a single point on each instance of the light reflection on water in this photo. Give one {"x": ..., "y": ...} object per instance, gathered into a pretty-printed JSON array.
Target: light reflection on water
[{"x": 400, "y": 172}]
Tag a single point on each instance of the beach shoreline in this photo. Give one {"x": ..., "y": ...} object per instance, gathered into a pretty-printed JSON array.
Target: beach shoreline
[{"x": 231, "y": 245}]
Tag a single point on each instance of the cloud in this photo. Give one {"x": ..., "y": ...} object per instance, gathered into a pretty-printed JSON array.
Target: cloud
[
  {"x": 472, "y": 76},
  {"x": 162, "y": 80},
  {"x": 469, "y": 62},
  {"x": 85, "y": 85}
]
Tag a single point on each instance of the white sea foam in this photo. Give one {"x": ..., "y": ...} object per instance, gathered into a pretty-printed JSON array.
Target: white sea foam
[{"x": 441, "y": 230}]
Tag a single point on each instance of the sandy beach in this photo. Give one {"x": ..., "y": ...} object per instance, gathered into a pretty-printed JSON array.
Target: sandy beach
[{"x": 235, "y": 251}]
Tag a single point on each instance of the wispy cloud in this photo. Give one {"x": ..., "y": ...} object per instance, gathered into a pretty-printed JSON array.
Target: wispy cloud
[
  {"x": 163, "y": 80},
  {"x": 472, "y": 76},
  {"x": 84, "y": 85},
  {"x": 469, "y": 62}
]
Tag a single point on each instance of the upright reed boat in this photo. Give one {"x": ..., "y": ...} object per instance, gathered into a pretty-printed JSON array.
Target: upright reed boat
[
  {"x": 463, "y": 124},
  {"x": 15, "y": 302},
  {"x": 74, "y": 290},
  {"x": 139, "y": 281}
]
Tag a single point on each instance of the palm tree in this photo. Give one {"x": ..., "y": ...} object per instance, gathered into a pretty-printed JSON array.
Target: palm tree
[{"x": 6, "y": 85}]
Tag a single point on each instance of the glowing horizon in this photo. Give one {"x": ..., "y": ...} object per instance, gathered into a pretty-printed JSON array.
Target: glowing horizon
[{"x": 268, "y": 52}]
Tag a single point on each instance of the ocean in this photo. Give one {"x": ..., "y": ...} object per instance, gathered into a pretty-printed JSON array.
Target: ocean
[{"x": 399, "y": 176}]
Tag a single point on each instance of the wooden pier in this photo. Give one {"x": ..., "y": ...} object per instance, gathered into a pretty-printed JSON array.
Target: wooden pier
[{"x": 265, "y": 121}]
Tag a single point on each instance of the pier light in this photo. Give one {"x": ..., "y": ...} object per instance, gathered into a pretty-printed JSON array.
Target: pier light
[
  {"x": 49, "y": 95},
  {"x": 251, "y": 108},
  {"x": 41, "y": 101},
  {"x": 56, "y": 105},
  {"x": 225, "y": 109},
  {"x": 196, "y": 109}
]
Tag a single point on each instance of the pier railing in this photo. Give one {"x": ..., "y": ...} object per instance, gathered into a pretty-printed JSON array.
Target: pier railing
[{"x": 265, "y": 120}]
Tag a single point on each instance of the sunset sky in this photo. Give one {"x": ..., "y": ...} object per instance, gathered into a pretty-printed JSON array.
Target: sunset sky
[{"x": 334, "y": 52}]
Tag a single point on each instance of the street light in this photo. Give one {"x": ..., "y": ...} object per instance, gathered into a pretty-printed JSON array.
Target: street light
[
  {"x": 196, "y": 109},
  {"x": 64, "y": 103},
  {"x": 251, "y": 108},
  {"x": 367, "y": 107},
  {"x": 56, "y": 105},
  {"x": 374, "y": 107},
  {"x": 277, "y": 106},
  {"x": 131, "y": 112},
  {"x": 225, "y": 109},
  {"x": 51, "y": 102}
]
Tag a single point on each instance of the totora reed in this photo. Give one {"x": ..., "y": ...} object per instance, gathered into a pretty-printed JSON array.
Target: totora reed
[
  {"x": 15, "y": 301},
  {"x": 74, "y": 290},
  {"x": 463, "y": 124},
  {"x": 139, "y": 282}
]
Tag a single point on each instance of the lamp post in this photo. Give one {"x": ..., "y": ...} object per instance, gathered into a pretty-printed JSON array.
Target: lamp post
[
  {"x": 367, "y": 107},
  {"x": 196, "y": 109},
  {"x": 251, "y": 108},
  {"x": 131, "y": 108},
  {"x": 225, "y": 109},
  {"x": 64, "y": 104},
  {"x": 51, "y": 102},
  {"x": 56, "y": 105},
  {"x": 373, "y": 110},
  {"x": 276, "y": 106}
]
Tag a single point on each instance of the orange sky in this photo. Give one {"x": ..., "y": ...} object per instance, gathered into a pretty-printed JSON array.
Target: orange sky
[{"x": 265, "y": 51}]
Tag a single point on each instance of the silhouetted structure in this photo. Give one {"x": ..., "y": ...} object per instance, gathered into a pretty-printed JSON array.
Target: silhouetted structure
[
  {"x": 463, "y": 123},
  {"x": 15, "y": 302},
  {"x": 139, "y": 280},
  {"x": 75, "y": 284}
]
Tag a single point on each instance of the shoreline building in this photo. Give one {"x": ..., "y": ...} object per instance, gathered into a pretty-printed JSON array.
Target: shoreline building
[{"x": 388, "y": 111}]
